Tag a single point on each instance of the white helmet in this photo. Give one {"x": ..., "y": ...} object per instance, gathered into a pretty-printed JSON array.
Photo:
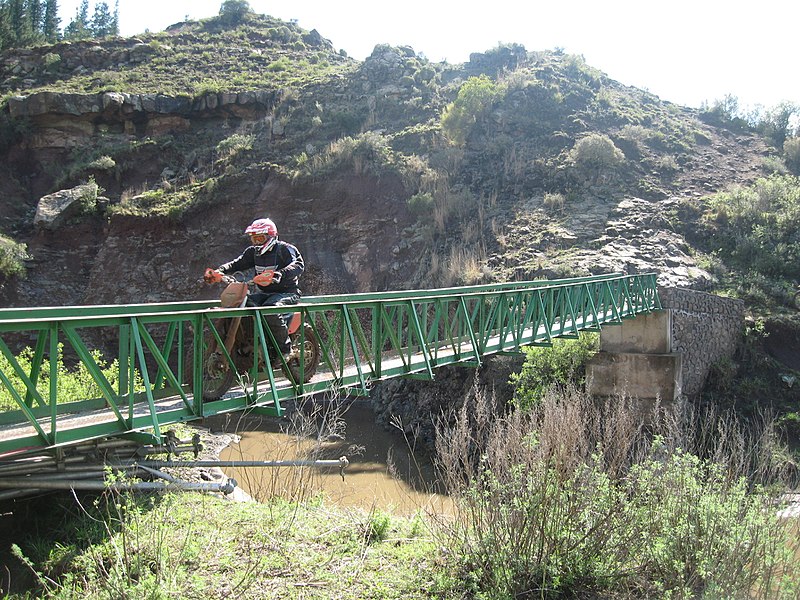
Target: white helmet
[{"x": 263, "y": 234}]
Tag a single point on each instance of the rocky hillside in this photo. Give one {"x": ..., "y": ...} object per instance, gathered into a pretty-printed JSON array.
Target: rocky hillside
[{"x": 394, "y": 172}]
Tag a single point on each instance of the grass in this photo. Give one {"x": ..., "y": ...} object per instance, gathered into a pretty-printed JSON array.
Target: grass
[{"x": 195, "y": 546}]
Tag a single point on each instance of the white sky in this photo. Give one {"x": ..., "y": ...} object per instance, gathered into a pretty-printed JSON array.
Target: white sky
[{"x": 684, "y": 51}]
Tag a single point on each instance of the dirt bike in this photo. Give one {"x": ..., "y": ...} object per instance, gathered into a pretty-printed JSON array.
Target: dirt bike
[{"x": 237, "y": 335}]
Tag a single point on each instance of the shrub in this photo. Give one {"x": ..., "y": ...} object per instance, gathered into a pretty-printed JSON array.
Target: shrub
[
  {"x": 12, "y": 257},
  {"x": 474, "y": 98},
  {"x": 578, "y": 498},
  {"x": 72, "y": 384},
  {"x": 791, "y": 152},
  {"x": 367, "y": 153},
  {"x": 102, "y": 163},
  {"x": 596, "y": 151},
  {"x": 282, "y": 64},
  {"x": 235, "y": 144},
  {"x": 755, "y": 228},
  {"x": 562, "y": 364},
  {"x": 554, "y": 201},
  {"x": 421, "y": 204}
]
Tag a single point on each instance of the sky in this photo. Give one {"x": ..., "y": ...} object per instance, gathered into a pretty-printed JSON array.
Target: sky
[{"x": 688, "y": 52}]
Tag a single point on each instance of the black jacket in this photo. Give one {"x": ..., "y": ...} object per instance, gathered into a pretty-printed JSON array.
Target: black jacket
[{"x": 283, "y": 258}]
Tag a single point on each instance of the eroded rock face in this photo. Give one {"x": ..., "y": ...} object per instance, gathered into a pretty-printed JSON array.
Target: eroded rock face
[{"x": 65, "y": 120}]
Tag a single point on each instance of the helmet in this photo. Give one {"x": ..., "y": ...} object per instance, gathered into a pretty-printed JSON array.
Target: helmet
[
  {"x": 262, "y": 227},
  {"x": 263, "y": 234}
]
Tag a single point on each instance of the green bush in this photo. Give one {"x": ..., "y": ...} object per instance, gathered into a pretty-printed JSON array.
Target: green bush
[
  {"x": 421, "y": 204},
  {"x": 72, "y": 384},
  {"x": 596, "y": 151},
  {"x": 235, "y": 144},
  {"x": 102, "y": 163},
  {"x": 12, "y": 257},
  {"x": 791, "y": 153},
  {"x": 756, "y": 228},
  {"x": 475, "y": 97},
  {"x": 562, "y": 364},
  {"x": 367, "y": 153}
]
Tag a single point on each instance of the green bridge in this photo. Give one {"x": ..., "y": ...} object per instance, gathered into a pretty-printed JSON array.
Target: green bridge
[{"x": 362, "y": 338}]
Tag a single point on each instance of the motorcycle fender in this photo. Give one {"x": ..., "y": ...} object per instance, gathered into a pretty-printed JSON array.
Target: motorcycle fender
[
  {"x": 294, "y": 323},
  {"x": 233, "y": 295}
]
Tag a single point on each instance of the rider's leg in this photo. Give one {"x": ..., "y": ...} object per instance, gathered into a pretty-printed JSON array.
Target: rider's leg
[{"x": 277, "y": 324}]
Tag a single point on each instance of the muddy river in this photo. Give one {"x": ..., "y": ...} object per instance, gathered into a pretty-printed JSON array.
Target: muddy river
[{"x": 384, "y": 472}]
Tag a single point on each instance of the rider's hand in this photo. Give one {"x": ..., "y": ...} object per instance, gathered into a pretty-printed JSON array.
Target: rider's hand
[
  {"x": 212, "y": 276},
  {"x": 276, "y": 277}
]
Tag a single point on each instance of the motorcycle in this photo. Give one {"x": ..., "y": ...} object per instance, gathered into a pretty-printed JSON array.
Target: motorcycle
[{"x": 237, "y": 335}]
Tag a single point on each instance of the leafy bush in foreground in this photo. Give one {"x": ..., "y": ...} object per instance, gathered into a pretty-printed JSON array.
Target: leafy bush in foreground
[{"x": 575, "y": 498}]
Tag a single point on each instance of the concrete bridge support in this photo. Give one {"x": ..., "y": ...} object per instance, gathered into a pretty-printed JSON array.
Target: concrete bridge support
[{"x": 668, "y": 353}]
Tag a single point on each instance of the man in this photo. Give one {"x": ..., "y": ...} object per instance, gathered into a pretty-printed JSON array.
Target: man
[{"x": 269, "y": 254}]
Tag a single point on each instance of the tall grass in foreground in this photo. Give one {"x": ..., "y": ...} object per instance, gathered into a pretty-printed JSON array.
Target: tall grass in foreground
[{"x": 577, "y": 497}]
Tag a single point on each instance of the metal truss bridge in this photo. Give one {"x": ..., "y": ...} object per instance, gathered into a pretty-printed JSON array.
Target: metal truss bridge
[{"x": 148, "y": 376}]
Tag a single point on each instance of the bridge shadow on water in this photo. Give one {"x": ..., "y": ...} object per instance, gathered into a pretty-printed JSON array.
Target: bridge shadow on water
[{"x": 385, "y": 472}]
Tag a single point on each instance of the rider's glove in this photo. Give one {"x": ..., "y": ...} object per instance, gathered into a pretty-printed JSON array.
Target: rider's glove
[
  {"x": 277, "y": 276},
  {"x": 212, "y": 276}
]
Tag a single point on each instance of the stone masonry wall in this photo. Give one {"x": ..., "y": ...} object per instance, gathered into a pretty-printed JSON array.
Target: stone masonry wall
[{"x": 705, "y": 328}]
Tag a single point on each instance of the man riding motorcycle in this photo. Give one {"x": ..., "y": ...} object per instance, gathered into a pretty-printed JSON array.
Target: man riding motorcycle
[{"x": 269, "y": 254}]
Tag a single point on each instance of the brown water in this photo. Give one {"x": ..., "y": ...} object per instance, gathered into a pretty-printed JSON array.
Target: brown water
[{"x": 384, "y": 473}]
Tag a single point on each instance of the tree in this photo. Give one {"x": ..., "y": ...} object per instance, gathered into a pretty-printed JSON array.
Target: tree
[
  {"x": 19, "y": 22},
  {"x": 233, "y": 12},
  {"x": 26, "y": 22},
  {"x": 777, "y": 123},
  {"x": 78, "y": 28},
  {"x": 51, "y": 21},
  {"x": 103, "y": 23},
  {"x": 35, "y": 15}
]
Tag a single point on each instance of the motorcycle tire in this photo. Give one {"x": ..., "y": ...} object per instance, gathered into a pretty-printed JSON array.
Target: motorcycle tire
[
  {"x": 310, "y": 355},
  {"x": 218, "y": 377}
]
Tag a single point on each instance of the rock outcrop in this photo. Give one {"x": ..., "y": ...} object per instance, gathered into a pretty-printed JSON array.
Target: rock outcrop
[{"x": 54, "y": 210}]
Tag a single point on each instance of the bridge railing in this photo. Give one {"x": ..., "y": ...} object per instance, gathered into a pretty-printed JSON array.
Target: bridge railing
[{"x": 147, "y": 375}]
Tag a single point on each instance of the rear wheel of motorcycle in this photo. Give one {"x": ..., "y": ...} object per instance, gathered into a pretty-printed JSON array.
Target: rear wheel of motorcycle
[
  {"x": 217, "y": 373},
  {"x": 310, "y": 355}
]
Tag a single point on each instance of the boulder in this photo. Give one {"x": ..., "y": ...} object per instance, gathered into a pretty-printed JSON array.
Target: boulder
[{"x": 55, "y": 209}]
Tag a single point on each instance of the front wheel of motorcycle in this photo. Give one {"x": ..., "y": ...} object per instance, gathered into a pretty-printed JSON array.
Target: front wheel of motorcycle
[
  {"x": 218, "y": 375},
  {"x": 310, "y": 355}
]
